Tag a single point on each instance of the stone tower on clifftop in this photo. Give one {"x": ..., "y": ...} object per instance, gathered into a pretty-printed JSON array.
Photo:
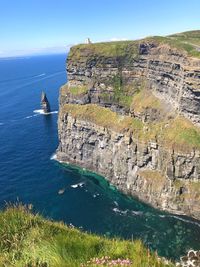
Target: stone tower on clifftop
[{"x": 88, "y": 41}]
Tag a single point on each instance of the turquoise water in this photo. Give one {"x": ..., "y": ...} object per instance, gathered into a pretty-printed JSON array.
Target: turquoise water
[{"x": 28, "y": 173}]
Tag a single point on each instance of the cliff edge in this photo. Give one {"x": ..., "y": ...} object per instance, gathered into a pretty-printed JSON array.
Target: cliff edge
[{"x": 131, "y": 112}]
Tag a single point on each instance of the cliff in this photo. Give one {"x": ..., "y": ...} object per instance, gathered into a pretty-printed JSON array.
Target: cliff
[{"x": 130, "y": 111}]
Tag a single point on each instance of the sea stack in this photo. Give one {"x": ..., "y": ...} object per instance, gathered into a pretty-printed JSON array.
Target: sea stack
[{"x": 45, "y": 103}]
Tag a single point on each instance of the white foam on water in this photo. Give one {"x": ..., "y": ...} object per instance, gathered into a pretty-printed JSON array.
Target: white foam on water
[
  {"x": 121, "y": 212},
  {"x": 134, "y": 212},
  {"x": 53, "y": 157},
  {"x": 31, "y": 116},
  {"x": 116, "y": 203},
  {"x": 40, "y": 75},
  {"x": 180, "y": 218},
  {"x": 77, "y": 185},
  {"x": 61, "y": 191},
  {"x": 95, "y": 195},
  {"x": 184, "y": 220},
  {"x": 127, "y": 212},
  {"x": 41, "y": 112}
]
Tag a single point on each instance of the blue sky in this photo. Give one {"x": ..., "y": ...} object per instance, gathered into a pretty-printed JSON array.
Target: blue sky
[{"x": 44, "y": 26}]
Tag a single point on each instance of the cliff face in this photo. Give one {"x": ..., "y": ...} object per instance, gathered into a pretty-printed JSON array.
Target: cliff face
[{"x": 130, "y": 111}]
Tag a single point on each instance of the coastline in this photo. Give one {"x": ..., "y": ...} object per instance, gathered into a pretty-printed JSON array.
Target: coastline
[{"x": 61, "y": 158}]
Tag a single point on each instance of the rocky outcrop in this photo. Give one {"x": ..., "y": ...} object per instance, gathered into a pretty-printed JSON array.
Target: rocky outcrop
[
  {"x": 150, "y": 83},
  {"x": 45, "y": 103},
  {"x": 191, "y": 259}
]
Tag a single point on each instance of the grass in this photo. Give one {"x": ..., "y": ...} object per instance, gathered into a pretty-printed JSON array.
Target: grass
[
  {"x": 190, "y": 39},
  {"x": 145, "y": 99},
  {"x": 74, "y": 90},
  {"x": 177, "y": 133},
  {"x": 101, "y": 116},
  {"x": 122, "y": 93},
  {"x": 29, "y": 240},
  {"x": 78, "y": 90},
  {"x": 154, "y": 179},
  {"x": 105, "y": 49},
  {"x": 128, "y": 50},
  {"x": 182, "y": 134},
  {"x": 190, "y": 193}
]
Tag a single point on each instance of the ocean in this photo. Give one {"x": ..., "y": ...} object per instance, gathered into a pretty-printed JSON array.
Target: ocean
[{"x": 29, "y": 173}]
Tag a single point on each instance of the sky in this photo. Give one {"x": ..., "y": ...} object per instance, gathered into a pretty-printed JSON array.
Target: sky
[{"x": 52, "y": 26}]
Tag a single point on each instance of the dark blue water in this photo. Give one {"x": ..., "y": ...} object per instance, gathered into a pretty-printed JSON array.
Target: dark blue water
[{"x": 27, "y": 173}]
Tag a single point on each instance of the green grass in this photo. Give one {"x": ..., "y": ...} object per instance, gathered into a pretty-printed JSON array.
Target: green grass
[
  {"x": 106, "y": 49},
  {"x": 145, "y": 99},
  {"x": 128, "y": 50},
  {"x": 74, "y": 90},
  {"x": 78, "y": 90},
  {"x": 101, "y": 116},
  {"x": 29, "y": 240},
  {"x": 122, "y": 93}
]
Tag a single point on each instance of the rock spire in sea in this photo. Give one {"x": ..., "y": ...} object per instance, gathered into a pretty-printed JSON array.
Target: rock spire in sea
[{"x": 45, "y": 103}]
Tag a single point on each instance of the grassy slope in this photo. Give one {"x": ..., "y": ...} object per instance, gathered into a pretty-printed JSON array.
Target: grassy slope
[
  {"x": 191, "y": 39},
  {"x": 28, "y": 240}
]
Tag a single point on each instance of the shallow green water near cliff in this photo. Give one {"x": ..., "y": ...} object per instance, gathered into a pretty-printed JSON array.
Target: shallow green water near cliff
[
  {"x": 111, "y": 213},
  {"x": 28, "y": 140}
]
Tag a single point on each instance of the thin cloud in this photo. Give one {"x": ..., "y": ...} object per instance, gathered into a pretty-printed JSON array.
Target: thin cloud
[
  {"x": 36, "y": 51},
  {"x": 114, "y": 39}
]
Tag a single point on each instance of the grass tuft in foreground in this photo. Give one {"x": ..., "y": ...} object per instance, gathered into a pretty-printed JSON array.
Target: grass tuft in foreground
[{"x": 29, "y": 240}]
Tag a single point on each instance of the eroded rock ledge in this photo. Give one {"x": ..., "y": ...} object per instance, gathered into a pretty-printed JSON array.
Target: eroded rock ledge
[{"x": 130, "y": 112}]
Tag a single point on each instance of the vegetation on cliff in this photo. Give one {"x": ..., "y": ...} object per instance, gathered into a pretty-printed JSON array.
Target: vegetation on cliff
[
  {"x": 175, "y": 133},
  {"x": 29, "y": 240},
  {"x": 188, "y": 42}
]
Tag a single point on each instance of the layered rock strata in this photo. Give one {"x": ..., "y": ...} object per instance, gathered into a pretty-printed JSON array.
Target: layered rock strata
[{"x": 125, "y": 114}]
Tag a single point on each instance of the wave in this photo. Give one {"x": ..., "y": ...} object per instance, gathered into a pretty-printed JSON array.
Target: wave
[
  {"x": 40, "y": 75},
  {"x": 96, "y": 195},
  {"x": 61, "y": 191},
  {"x": 121, "y": 212},
  {"x": 38, "y": 113},
  {"x": 23, "y": 78},
  {"x": 134, "y": 212},
  {"x": 1, "y": 123},
  {"x": 180, "y": 218},
  {"x": 31, "y": 116},
  {"x": 116, "y": 203},
  {"x": 39, "y": 78},
  {"x": 53, "y": 157},
  {"x": 127, "y": 212},
  {"x": 41, "y": 112},
  {"x": 77, "y": 185}
]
